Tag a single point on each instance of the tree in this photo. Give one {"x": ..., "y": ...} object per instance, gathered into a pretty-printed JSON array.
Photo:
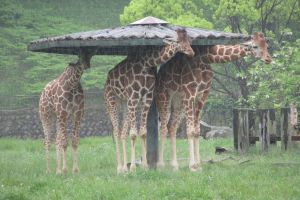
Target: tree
[
  {"x": 180, "y": 12},
  {"x": 275, "y": 18}
]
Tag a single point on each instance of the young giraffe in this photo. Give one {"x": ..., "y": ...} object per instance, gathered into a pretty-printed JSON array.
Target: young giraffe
[
  {"x": 184, "y": 84},
  {"x": 133, "y": 81},
  {"x": 63, "y": 98}
]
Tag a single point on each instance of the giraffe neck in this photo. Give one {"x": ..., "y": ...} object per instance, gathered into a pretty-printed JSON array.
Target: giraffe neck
[
  {"x": 155, "y": 58},
  {"x": 224, "y": 53},
  {"x": 71, "y": 76}
]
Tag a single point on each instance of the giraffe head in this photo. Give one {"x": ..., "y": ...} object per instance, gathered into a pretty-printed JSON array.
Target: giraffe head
[
  {"x": 85, "y": 58},
  {"x": 259, "y": 47},
  {"x": 182, "y": 43}
]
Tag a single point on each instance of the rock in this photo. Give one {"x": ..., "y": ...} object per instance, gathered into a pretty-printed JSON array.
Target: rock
[{"x": 219, "y": 132}]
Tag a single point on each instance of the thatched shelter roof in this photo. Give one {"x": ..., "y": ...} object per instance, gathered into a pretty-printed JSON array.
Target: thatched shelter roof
[{"x": 143, "y": 33}]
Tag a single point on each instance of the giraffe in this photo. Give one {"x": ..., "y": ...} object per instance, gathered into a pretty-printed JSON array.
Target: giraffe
[
  {"x": 132, "y": 81},
  {"x": 61, "y": 99},
  {"x": 183, "y": 86}
]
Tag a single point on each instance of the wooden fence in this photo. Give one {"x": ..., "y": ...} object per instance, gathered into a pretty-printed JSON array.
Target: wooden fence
[{"x": 265, "y": 125}]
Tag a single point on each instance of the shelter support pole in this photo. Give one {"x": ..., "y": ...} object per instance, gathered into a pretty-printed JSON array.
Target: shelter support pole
[
  {"x": 152, "y": 136},
  {"x": 241, "y": 130}
]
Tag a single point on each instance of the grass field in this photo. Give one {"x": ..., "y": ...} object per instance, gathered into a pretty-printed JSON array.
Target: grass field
[{"x": 275, "y": 175}]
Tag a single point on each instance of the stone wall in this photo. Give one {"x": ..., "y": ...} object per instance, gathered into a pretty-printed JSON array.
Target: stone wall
[{"x": 25, "y": 123}]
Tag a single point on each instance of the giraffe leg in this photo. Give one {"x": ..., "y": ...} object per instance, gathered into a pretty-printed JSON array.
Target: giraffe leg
[
  {"x": 198, "y": 109},
  {"x": 47, "y": 122},
  {"x": 163, "y": 109},
  {"x": 124, "y": 132},
  {"x": 147, "y": 100},
  {"x": 189, "y": 107},
  {"x": 61, "y": 142},
  {"x": 111, "y": 106},
  {"x": 75, "y": 139},
  {"x": 174, "y": 121},
  {"x": 132, "y": 105},
  {"x": 64, "y": 147}
]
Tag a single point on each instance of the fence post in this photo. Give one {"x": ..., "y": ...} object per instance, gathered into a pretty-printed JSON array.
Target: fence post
[
  {"x": 293, "y": 123},
  {"x": 272, "y": 126},
  {"x": 264, "y": 129},
  {"x": 285, "y": 128},
  {"x": 241, "y": 130},
  {"x": 252, "y": 122}
]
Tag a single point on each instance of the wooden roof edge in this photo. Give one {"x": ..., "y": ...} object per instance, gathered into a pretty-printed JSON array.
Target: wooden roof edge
[{"x": 116, "y": 45}]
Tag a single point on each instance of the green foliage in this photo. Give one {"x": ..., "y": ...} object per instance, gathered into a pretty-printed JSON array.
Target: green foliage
[
  {"x": 26, "y": 73},
  {"x": 9, "y": 13},
  {"x": 277, "y": 84},
  {"x": 180, "y": 12},
  {"x": 24, "y": 176},
  {"x": 231, "y": 8}
]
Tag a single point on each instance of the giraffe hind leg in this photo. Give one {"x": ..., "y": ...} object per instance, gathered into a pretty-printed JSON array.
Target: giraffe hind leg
[
  {"x": 174, "y": 121},
  {"x": 111, "y": 106},
  {"x": 75, "y": 139},
  {"x": 163, "y": 109},
  {"x": 61, "y": 139},
  {"x": 47, "y": 123}
]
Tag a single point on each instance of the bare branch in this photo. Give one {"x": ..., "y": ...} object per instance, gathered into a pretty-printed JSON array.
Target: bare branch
[
  {"x": 228, "y": 92},
  {"x": 288, "y": 21},
  {"x": 225, "y": 75}
]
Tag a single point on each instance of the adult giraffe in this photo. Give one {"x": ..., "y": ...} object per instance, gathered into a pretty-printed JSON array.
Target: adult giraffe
[
  {"x": 184, "y": 84},
  {"x": 133, "y": 81},
  {"x": 63, "y": 98}
]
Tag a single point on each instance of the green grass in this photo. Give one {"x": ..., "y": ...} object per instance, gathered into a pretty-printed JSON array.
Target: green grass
[{"x": 22, "y": 174}]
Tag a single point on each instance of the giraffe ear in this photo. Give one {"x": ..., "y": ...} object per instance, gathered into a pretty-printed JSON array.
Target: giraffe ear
[{"x": 190, "y": 40}]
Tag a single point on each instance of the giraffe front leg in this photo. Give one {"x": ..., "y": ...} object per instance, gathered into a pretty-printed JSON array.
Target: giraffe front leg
[
  {"x": 58, "y": 144},
  {"x": 188, "y": 106},
  {"x": 133, "y": 132},
  {"x": 175, "y": 119},
  {"x": 163, "y": 109},
  {"x": 64, "y": 141},
  {"x": 198, "y": 109},
  {"x": 124, "y": 132}
]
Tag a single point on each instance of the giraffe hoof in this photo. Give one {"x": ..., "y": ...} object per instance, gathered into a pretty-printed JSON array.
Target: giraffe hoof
[
  {"x": 145, "y": 166},
  {"x": 75, "y": 170},
  {"x": 132, "y": 168},
  {"x": 194, "y": 167},
  {"x": 175, "y": 166},
  {"x": 119, "y": 169},
  {"x": 160, "y": 165},
  {"x": 58, "y": 172},
  {"x": 125, "y": 169},
  {"x": 65, "y": 170},
  {"x": 199, "y": 167}
]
